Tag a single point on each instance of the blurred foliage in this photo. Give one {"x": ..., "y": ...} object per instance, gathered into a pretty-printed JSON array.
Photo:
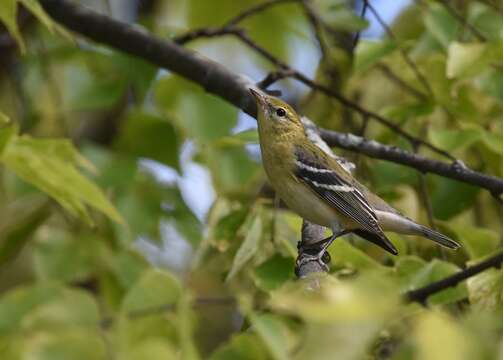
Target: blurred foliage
[{"x": 135, "y": 218}]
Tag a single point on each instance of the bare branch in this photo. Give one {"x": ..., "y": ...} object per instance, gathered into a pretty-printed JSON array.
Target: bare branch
[
  {"x": 457, "y": 171},
  {"x": 402, "y": 84},
  {"x": 422, "y": 79},
  {"x": 464, "y": 22},
  {"x": 233, "y": 88},
  {"x": 362, "y": 15},
  {"x": 421, "y": 295},
  {"x": 316, "y": 25},
  {"x": 241, "y": 34},
  {"x": 254, "y": 10}
]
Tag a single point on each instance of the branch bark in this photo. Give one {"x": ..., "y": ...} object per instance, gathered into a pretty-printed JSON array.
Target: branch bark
[
  {"x": 233, "y": 88},
  {"x": 421, "y": 295}
]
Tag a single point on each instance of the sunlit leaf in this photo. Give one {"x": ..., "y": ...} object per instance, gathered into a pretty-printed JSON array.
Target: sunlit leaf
[
  {"x": 154, "y": 290},
  {"x": 150, "y": 349},
  {"x": 50, "y": 166},
  {"x": 439, "y": 337},
  {"x": 240, "y": 138},
  {"x": 149, "y": 136},
  {"x": 465, "y": 59},
  {"x": 24, "y": 217},
  {"x": 477, "y": 242},
  {"x": 485, "y": 290},
  {"x": 434, "y": 271},
  {"x": 273, "y": 333},
  {"x": 450, "y": 140},
  {"x": 274, "y": 272},
  {"x": 446, "y": 190},
  {"x": 441, "y": 24},
  {"x": 8, "y": 15},
  {"x": 241, "y": 347},
  {"x": 249, "y": 246},
  {"x": 369, "y": 53}
]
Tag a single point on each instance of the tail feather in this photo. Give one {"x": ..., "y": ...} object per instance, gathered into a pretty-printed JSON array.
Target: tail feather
[
  {"x": 437, "y": 237},
  {"x": 380, "y": 240}
]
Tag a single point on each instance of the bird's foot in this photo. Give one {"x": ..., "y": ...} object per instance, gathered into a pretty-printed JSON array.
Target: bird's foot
[{"x": 313, "y": 254}]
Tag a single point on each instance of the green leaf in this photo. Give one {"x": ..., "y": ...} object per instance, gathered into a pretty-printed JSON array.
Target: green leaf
[
  {"x": 441, "y": 337},
  {"x": 186, "y": 328},
  {"x": 51, "y": 260},
  {"x": 369, "y": 297},
  {"x": 491, "y": 83},
  {"x": 24, "y": 217},
  {"x": 406, "y": 270},
  {"x": 4, "y": 119},
  {"x": 241, "y": 347},
  {"x": 369, "y": 53},
  {"x": 450, "y": 140},
  {"x": 37, "y": 10},
  {"x": 274, "y": 272},
  {"x": 443, "y": 194},
  {"x": 241, "y": 138},
  {"x": 273, "y": 333},
  {"x": 199, "y": 115},
  {"x": 149, "y": 136},
  {"x": 477, "y": 242},
  {"x": 154, "y": 289},
  {"x": 339, "y": 16},
  {"x": 485, "y": 290},
  {"x": 96, "y": 94},
  {"x": 435, "y": 271},
  {"x": 49, "y": 164},
  {"x": 232, "y": 169},
  {"x": 46, "y": 307},
  {"x": 74, "y": 344},
  {"x": 19, "y": 302},
  {"x": 465, "y": 59},
  {"x": 150, "y": 349},
  {"x": 441, "y": 24},
  {"x": 249, "y": 246},
  {"x": 494, "y": 142},
  {"x": 347, "y": 255},
  {"x": 8, "y": 15},
  {"x": 71, "y": 308}
]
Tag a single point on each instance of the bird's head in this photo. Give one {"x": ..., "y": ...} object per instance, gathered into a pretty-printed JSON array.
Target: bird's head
[{"x": 275, "y": 114}]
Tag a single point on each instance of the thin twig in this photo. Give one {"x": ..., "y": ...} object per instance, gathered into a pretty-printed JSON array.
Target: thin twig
[
  {"x": 422, "y": 79},
  {"x": 421, "y": 295},
  {"x": 295, "y": 74},
  {"x": 402, "y": 84},
  {"x": 464, "y": 22},
  {"x": 163, "y": 308},
  {"x": 316, "y": 25},
  {"x": 494, "y": 6},
  {"x": 234, "y": 88},
  {"x": 254, "y": 10},
  {"x": 362, "y": 15}
]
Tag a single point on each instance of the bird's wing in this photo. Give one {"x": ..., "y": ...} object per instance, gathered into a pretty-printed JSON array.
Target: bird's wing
[{"x": 335, "y": 189}]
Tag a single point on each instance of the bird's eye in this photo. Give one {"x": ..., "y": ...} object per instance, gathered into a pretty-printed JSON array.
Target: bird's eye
[{"x": 280, "y": 112}]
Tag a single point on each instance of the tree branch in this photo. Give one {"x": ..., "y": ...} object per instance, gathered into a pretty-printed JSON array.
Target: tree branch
[
  {"x": 233, "y": 88},
  {"x": 457, "y": 170},
  {"x": 422, "y": 294},
  {"x": 422, "y": 79},
  {"x": 297, "y": 75}
]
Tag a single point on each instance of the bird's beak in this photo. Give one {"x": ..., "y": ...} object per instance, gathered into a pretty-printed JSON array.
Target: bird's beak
[{"x": 261, "y": 101}]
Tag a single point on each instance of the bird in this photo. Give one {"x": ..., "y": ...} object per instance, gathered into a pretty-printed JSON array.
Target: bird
[{"x": 319, "y": 189}]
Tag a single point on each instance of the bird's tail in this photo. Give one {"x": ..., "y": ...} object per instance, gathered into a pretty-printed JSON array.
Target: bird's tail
[
  {"x": 436, "y": 236},
  {"x": 403, "y": 225}
]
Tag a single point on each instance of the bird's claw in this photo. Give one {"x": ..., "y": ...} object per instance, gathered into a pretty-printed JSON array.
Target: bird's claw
[{"x": 322, "y": 257}]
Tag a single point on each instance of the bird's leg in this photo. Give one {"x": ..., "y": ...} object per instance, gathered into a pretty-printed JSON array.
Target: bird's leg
[{"x": 317, "y": 251}]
